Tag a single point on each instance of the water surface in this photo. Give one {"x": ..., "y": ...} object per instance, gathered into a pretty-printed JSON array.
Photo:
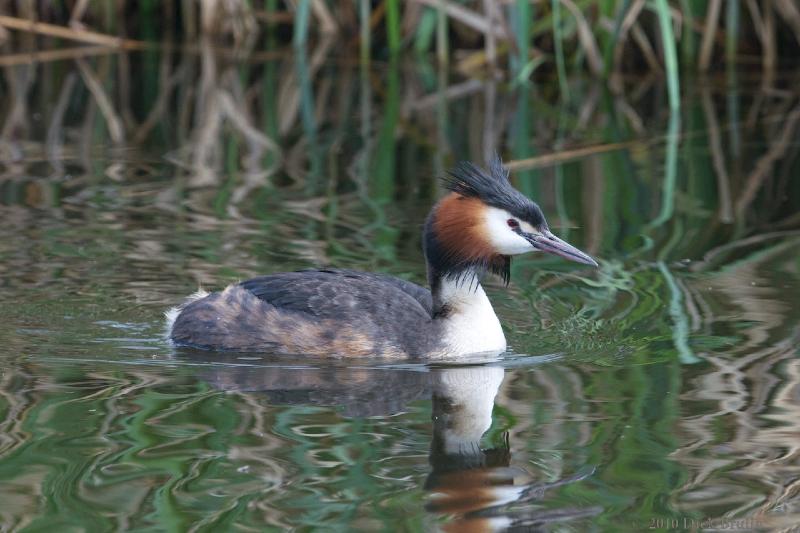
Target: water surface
[{"x": 662, "y": 389}]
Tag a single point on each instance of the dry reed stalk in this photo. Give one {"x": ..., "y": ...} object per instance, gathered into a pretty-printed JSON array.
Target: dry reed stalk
[
  {"x": 115, "y": 128},
  {"x": 465, "y": 16},
  {"x": 764, "y": 27},
  {"x": 567, "y": 155},
  {"x": 588, "y": 108},
  {"x": 640, "y": 37},
  {"x": 77, "y": 14},
  {"x": 707, "y": 45},
  {"x": 586, "y": 37},
  {"x": 239, "y": 119},
  {"x": 42, "y": 28},
  {"x": 777, "y": 149},
  {"x": 54, "y": 140},
  {"x": 718, "y": 159},
  {"x": 490, "y": 128},
  {"x": 758, "y": 20},
  {"x": 375, "y": 17},
  {"x": 274, "y": 17},
  {"x": 168, "y": 82},
  {"x": 627, "y": 22},
  {"x": 229, "y": 16},
  {"x": 452, "y": 92},
  {"x": 327, "y": 22},
  {"x": 52, "y": 55},
  {"x": 491, "y": 46},
  {"x": 630, "y": 113},
  {"x": 790, "y": 14},
  {"x": 473, "y": 64},
  {"x": 19, "y": 82},
  {"x": 769, "y": 47}
]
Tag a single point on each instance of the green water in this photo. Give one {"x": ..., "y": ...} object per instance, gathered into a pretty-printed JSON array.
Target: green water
[{"x": 661, "y": 390}]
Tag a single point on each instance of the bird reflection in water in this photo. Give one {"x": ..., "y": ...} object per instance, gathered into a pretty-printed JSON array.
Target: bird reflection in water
[
  {"x": 476, "y": 486},
  {"x": 472, "y": 488}
]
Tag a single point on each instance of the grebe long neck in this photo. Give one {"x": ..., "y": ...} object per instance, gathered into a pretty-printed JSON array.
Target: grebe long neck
[
  {"x": 465, "y": 314},
  {"x": 455, "y": 293},
  {"x": 469, "y": 321},
  {"x": 457, "y": 256}
]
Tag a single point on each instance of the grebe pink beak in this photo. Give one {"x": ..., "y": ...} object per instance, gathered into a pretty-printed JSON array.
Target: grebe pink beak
[{"x": 547, "y": 242}]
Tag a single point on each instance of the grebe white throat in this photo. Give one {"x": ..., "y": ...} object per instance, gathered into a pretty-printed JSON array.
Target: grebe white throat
[{"x": 471, "y": 325}]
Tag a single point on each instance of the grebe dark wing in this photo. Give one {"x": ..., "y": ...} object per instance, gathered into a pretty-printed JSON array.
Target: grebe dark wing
[{"x": 332, "y": 293}]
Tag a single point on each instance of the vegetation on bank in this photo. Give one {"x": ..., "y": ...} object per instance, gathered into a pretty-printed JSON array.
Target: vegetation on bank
[{"x": 517, "y": 37}]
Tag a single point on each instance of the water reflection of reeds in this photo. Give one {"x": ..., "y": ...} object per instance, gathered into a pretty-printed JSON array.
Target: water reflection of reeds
[
  {"x": 678, "y": 380},
  {"x": 242, "y": 130},
  {"x": 752, "y": 385}
]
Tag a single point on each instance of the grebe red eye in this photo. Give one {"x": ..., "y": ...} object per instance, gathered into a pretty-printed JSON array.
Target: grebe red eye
[{"x": 512, "y": 223}]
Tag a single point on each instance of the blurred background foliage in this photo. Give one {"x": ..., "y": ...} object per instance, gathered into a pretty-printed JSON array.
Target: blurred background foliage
[{"x": 516, "y": 39}]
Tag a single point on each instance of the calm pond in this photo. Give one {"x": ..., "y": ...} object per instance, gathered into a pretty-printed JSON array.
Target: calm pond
[{"x": 661, "y": 390}]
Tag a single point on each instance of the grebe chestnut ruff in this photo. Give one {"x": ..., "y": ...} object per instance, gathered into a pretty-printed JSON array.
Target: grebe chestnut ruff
[{"x": 475, "y": 229}]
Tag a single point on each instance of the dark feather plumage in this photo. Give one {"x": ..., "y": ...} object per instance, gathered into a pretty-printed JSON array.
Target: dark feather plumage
[
  {"x": 494, "y": 188},
  {"x": 334, "y": 292},
  {"x": 326, "y": 311}
]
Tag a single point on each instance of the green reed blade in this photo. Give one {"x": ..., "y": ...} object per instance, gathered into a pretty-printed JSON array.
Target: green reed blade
[
  {"x": 425, "y": 31},
  {"x": 442, "y": 45},
  {"x": 393, "y": 25},
  {"x": 670, "y": 55},
  {"x": 528, "y": 69},
  {"x": 670, "y": 171},
  {"x": 731, "y": 30},
  {"x": 363, "y": 20},
  {"x": 677, "y": 311},
  {"x": 609, "y": 43},
  {"x": 559, "y": 48},
  {"x": 691, "y": 12},
  {"x": 521, "y": 19},
  {"x": 301, "y": 18}
]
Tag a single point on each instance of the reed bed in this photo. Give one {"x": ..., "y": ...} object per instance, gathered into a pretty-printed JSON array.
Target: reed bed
[{"x": 515, "y": 39}]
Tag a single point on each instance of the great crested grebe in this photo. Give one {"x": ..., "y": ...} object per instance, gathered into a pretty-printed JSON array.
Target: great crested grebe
[{"x": 475, "y": 229}]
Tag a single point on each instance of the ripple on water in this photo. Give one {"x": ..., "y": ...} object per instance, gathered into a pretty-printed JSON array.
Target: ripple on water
[{"x": 666, "y": 383}]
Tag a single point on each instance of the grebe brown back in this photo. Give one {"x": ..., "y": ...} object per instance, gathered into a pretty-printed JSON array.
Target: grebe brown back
[{"x": 475, "y": 229}]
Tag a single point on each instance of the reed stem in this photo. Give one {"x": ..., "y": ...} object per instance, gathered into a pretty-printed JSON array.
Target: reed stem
[
  {"x": 670, "y": 54},
  {"x": 300, "y": 35},
  {"x": 559, "y": 49},
  {"x": 393, "y": 25}
]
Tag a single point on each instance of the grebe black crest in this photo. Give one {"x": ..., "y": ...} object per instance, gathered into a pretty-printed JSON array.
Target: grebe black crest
[{"x": 474, "y": 229}]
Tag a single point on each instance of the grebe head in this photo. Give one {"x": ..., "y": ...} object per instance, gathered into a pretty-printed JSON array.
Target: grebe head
[{"x": 483, "y": 222}]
